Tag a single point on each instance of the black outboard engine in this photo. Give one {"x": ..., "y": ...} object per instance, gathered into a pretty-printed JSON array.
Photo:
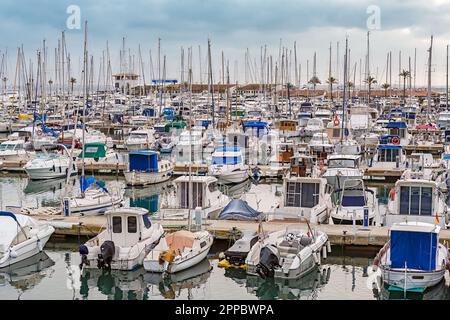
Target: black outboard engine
[
  {"x": 84, "y": 251},
  {"x": 107, "y": 252},
  {"x": 269, "y": 259}
]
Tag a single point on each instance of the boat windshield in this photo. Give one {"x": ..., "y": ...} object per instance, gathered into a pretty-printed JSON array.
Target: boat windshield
[
  {"x": 341, "y": 163},
  {"x": 227, "y": 160},
  {"x": 6, "y": 147}
]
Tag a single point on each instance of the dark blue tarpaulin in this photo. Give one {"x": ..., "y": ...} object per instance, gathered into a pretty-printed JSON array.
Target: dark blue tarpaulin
[
  {"x": 144, "y": 161},
  {"x": 239, "y": 210},
  {"x": 415, "y": 249},
  {"x": 396, "y": 125}
]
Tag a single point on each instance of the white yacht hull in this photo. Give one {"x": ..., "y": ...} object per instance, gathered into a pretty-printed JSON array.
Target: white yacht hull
[
  {"x": 135, "y": 178},
  {"x": 413, "y": 279}
]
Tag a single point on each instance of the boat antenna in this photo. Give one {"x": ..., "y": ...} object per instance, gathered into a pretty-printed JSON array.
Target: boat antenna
[{"x": 345, "y": 91}]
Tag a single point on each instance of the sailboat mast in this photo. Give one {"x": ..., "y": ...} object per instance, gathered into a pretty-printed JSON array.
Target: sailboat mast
[
  {"x": 345, "y": 90},
  {"x": 429, "y": 77},
  {"x": 85, "y": 74}
]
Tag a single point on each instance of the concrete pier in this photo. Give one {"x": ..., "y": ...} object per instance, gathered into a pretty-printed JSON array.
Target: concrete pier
[{"x": 338, "y": 234}]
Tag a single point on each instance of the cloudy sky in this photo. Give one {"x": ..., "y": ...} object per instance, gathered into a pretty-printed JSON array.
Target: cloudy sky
[{"x": 233, "y": 26}]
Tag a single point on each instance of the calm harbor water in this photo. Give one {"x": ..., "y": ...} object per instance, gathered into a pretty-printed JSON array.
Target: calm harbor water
[{"x": 346, "y": 274}]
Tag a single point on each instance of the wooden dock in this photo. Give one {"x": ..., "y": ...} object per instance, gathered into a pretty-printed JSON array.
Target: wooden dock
[
  {"x": 90, "y": 226},
  {"x": 434, "y": 149}
]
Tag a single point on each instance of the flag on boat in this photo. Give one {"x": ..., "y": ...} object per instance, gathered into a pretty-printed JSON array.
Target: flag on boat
[{"x": 437, "y": 218}]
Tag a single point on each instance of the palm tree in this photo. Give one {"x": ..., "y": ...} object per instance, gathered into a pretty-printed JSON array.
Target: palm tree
[
  {"x": 72, "y": 82},
  {"x": 370, "y": 81},
  {"x": 385, "y": 86},
  {"x": 404, "y": 74},
  {"x": 50, "y": 82},
  {"x": 314, "y": 81},
  {"x": 331, "y": 81}
]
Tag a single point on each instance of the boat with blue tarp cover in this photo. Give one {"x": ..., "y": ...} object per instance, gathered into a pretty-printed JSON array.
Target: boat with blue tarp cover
[
  {"x": 147, "y": 167},
  {"x": 413, "y": 259}
]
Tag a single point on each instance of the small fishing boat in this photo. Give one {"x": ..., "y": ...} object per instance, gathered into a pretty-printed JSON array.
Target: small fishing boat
[
  {"x": 128, "y": 238},
  {"x": 21, "y": 237},
  {"x": 287, "y": 254},
  {"x": 413, "y": 259},
  {"x": 178, "y": 251},
  {"x": 147, "y": 167}
]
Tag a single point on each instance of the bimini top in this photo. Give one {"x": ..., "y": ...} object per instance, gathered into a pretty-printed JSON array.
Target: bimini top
[{"x": 396, "y": 125}]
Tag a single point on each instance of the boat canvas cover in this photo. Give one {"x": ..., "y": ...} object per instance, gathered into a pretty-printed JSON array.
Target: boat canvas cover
[
  {"x": 396, "y": 125},
  {"x": 179, "y": 240},
  {"x": 415, "y": 249},
  {"x": 94, "y": 150},
  {"x": 239, "y": 210},
  {"x": 9, "y": 228},
  {"x": 144, "y": 161}
]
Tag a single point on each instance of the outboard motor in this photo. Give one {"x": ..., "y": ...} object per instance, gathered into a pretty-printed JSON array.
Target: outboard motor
[
  {"x": 269, "y": 259},
  {"x": 84, "y": 251},
  {"x": 107, "y": 252}
]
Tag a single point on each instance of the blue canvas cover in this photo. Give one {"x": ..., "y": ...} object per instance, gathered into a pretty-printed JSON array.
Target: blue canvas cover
[
  {"x": 397, "y": 125},
  {"x": 144, "y": 161},
  {"x": 148, "y": 112},
  {"x": 416, "y": 249},
  {"x": 239, "y": 210}
]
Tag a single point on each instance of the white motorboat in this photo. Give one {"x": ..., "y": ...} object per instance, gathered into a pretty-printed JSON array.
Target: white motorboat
[
  {"x": 389, "y": 157},
  {"x": 356, "y": 203},
  {"x": 228, "y": 166},
  {"x": 313, "y": 126},
  {"x": 141, "y": 139},
  {"x": 189, "y": 148},
  {"x": 205, "y": 198},
  {"x": 51, "y": 165},
  {"x": 147, "y": 167},
  {"x": 287, "y": 254},
  {"x": 413, "y": 259},
  {"x": 342, "y": 167},
  {"x": 21, "y": 237},
  {"x": 179, "y": 251},
  {"x": 128, "y": 238},
  {"x": 14, "y": 151},
  {"x": 98, "y": 154}
]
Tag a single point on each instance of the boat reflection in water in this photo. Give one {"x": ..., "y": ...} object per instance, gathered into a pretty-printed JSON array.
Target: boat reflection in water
[
  {"x": 437, "y": 292},
  {"x": 148, "y": 197},
  {"x": 28, "y": 273},
  {"x": 44, "y": 186},
  {"x": 141, "y": 285},
  {"x": 305, "y": 288}
]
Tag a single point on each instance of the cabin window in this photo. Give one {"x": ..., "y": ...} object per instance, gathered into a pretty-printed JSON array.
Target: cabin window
[
  {"x": 305, "y": 195},
  {"x": 117, "y": 224},
  {"x": 416, "y": 201},
  {"x": 197, "y": 195},
  {"x": 132, "y": 224},
  {"x": 147, "y": 222},
  {"x": 388, "y": 155}
]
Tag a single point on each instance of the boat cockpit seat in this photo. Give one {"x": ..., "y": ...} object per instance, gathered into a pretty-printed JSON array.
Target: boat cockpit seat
[{"x": 289, "y": 247}]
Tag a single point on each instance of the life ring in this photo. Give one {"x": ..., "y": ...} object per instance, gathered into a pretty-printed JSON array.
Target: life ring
[
  {"x": 392, "y": 194},
  {"x": 396, "y": 141},
  {"x": 336, "y": 121}
]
